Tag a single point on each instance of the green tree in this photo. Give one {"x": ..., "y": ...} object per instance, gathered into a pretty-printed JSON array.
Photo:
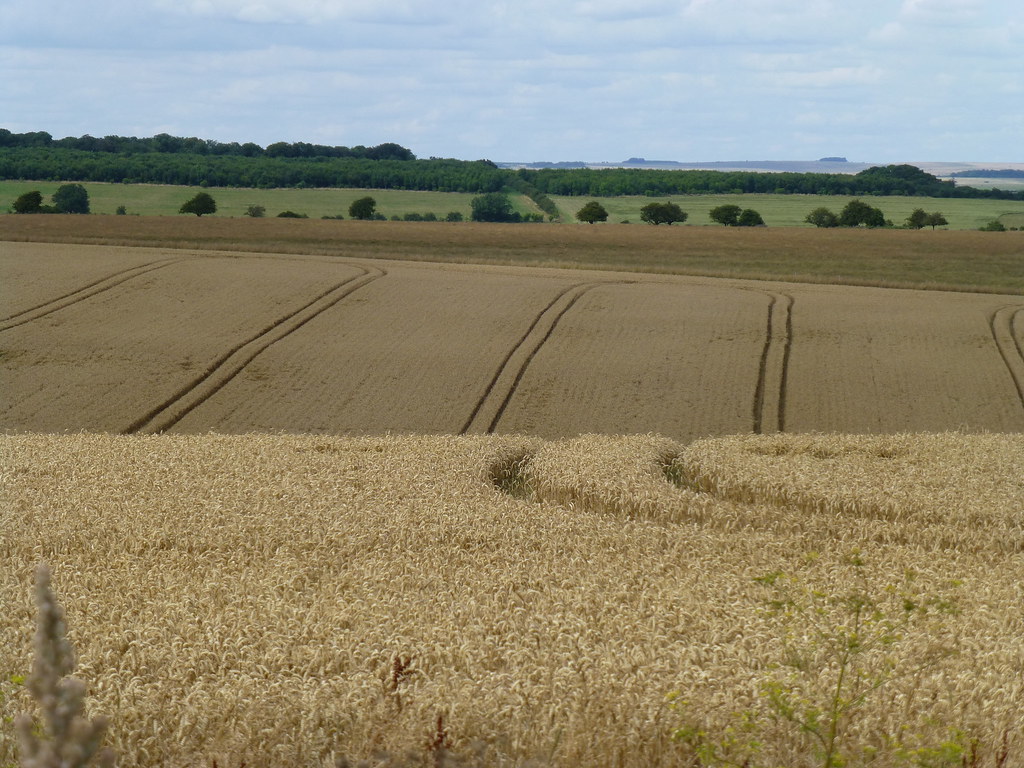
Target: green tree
[
  {"x": 30, "y": 202},
  {"x": 856, "y": 213},
  {"x": 823, "y": 218},
  {"x": 993, "y": 226},
  {"x": 256, "y": 211},
  {"x": 917, "y": 219},
  {"x": 453, "y": 216},
  {"x": 363, "y": 208},
  {"x": 726, "y": 215},
  {"x": 591, "y": 212},
  {"x": 934, "y": 220},
  {"x": 662, "y": 213},
  {"x": 200, "y": 204},
  {"x": 750, "y": 218},
  {"x": 494, "y": 206},
  {"x": 71, "y": 198}
]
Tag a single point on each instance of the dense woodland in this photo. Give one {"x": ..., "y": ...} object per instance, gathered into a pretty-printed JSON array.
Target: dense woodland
[{"x": 165, "y": 159}]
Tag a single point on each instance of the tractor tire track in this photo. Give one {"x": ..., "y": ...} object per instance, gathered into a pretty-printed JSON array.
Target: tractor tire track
[
  {"x": 222, "y": 370},
  {"x": 769, "y": 407},
  {"x": 1001, "y": 324},
  {"x": 85, "y": 292},
  {"x": 489, "y": 409}
]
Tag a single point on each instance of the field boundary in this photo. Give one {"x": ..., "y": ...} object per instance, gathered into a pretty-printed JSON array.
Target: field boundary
[
  {"x": 230, "y": 364},
  {"x": 85, "y": 292},
  {"x": 1001, "y": 323}
]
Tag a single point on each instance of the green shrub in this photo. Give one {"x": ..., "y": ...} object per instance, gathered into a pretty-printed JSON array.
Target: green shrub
[{"x": 838, "y": 651}]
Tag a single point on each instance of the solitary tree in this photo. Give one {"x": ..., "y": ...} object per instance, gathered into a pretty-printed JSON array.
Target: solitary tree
[
  {"x": 256, "y": 211},
  {"x": 856, "y": 212},
  {"x": 934, "y": 220},
  {"x": 30, "y": 202},
  {"x": 71, "y": 198},
  {"x": 726, "y": 215},
  {"x": 494, "y": 206},
  {"x": 750, "y": 218},
  {"x": 363, "y": 208},
  {"x": 662, "y": 213},
  {"x": 200, "y": 204},
  {"x": 822, "y": 217},
  {"x": 917, "y": 219},
  {"x": 591, "y": 212}
]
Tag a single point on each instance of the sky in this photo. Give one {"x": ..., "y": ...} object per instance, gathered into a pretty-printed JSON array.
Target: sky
[{"x": 531, "y": 80}]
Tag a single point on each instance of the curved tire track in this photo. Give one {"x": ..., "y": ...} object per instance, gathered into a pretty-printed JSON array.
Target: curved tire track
[
  {"x": 85, "y": 292},
  {"x": 231, "y": 363},
  {"x": 1001, "y": 324},
  {"x": 492, "y": 404},
  {"x": 769, "y": 407}
]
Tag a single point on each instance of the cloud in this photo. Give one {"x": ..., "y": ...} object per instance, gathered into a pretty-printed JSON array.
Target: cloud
[
  {"x": 621, "y": 10},
  {"x": 313, "y": 11}
]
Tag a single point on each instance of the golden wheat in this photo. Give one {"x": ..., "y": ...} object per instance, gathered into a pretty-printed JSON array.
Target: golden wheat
[{"x": 284, "y": 600}]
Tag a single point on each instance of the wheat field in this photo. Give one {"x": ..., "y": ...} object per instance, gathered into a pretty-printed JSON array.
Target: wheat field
[
  {"x": 313, "y": 510},
  {"x": 133, "y": 340},
  {"x": 289, "y": 600}
]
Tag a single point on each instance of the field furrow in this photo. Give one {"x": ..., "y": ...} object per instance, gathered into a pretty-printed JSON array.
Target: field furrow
[
  {"x": 262, "y": 342},
  {"x": 770, "y": 395},
  {"x": 1008, "y": 339},
  {"x": 227, "y": 366},
  {"x": 101, "y": 362},
  {"x": 81, "y": 294},
  {"x": 488, "y": 412},
  {"x": 677, "y": 358},
  {"x": 421, "y": 350},
  {"x": 881, "y": 361},
  {"x": 35, "y": 274}
]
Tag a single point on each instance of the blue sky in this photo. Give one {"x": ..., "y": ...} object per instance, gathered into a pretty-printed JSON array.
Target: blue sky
[{"x": 592, "y": 80}]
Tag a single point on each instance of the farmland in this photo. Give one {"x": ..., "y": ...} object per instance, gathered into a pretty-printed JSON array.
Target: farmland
[
  {"x": 192, "y": 341},
  {"x": 778, "y": 210},
  {"x": 287, "y": 600},
  {"x": 950, "y": 260},
  {"x": 315, "y": 489}
]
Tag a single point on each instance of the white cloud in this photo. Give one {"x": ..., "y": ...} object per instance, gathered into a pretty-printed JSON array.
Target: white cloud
[
  {"x": 315, "y": 11},
  {"x": 588, "y": 79},
  {"x": 619, "y": 10}
]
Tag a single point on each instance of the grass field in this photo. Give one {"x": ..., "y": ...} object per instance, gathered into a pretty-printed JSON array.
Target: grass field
[
  {"x": 281, "y": 600},
  {"x": 948, "y": 260},
  {"x": 777, "y": 210},
  {"x": 791, "y": 210},
  {"x": 165, "y": 200}
]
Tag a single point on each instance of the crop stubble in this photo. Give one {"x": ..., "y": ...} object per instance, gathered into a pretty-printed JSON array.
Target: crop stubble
[{"x": 318, "y": 344}]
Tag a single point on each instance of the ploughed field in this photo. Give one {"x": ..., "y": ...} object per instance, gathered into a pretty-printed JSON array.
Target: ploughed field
[{"x": 136, "y": 340}]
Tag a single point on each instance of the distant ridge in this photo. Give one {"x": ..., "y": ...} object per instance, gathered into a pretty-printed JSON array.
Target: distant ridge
[{"x": 824, "y": 165}]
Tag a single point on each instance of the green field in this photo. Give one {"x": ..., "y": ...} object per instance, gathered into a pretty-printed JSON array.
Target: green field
[
  {"x": 790, "y": 210},
  {"x": 777, "y": 210},
  {"x": 159, "y": 199}
]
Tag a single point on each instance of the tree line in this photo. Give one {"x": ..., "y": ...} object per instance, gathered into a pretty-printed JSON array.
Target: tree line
[
  {"x": 165, "y": 159},
  {"x": 903, "y": 180},
  {"x": 166, "y": 144},
  {"x": 55, "y": 164}
]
